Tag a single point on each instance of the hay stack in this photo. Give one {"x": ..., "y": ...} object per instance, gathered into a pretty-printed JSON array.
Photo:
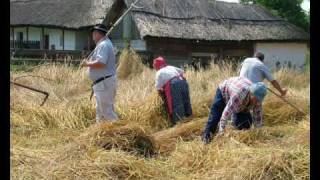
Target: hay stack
[
  {"x": 126, "y": 136},
  {"x": 130, "y": 64},
  {"x": 276, "y": 111}
]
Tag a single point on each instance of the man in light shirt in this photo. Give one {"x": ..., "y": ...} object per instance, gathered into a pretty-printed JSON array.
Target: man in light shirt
[
  {"x": 102, "y": 71},
  {"x": 256, "y": 71},
  {"x": 172, "y": 85}
]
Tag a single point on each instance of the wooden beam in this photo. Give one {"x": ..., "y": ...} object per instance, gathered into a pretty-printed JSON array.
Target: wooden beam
[
  {"x": 89, "y": 42},
  {"x": 221, "y": 55},
  {"x": 14, "y": 46},
  {"x": 62, "y": 39},
  {"x": 27, "y": 29},
  {"x": 42, "y": 38}
]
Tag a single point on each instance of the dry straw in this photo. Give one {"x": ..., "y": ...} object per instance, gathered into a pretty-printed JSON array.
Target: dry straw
[
  {"x": 278, "y": 112},
  {"x": 123, "y": 135},
  {"x": 129, "y": 65},
  {"x": 61, "y": 140}
]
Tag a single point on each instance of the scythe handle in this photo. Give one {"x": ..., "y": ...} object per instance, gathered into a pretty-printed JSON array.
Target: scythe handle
[
  {"x": 113, "y": 26},
  {"x": 121, "y": 17}
]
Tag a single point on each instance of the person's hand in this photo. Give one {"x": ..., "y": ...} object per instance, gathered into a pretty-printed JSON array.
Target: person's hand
[
  {"x": 284, "y": 92},
  {"x": 221, "y": 132}
]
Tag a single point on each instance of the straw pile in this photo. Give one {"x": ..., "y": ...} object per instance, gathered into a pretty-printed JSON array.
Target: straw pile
[
  {"x": 129, "y": 65},
  {"x": 166, "y": 139},
  {"x": 122, "y": 135},
  {"x": 229, "y": 159},
  {"x": 277, "y": 112},
  {"x": 150, "y": 113}
]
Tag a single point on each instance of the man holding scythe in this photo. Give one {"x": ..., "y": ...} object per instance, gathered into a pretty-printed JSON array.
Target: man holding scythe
[{"x": 102, "y": 71}]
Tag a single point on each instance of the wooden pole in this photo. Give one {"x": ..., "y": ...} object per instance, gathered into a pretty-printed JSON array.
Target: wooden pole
[
  {"x": 14, "y": 44},
  {"x": 62, "y": 39},
  {"x": 42, "y": 38},
  {"x": 27, "y": 30}
]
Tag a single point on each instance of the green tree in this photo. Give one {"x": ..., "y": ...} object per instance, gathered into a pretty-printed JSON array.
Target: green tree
[{"x": 287, "y": 9}]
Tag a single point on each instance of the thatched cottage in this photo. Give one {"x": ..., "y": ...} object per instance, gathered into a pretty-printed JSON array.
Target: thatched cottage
[{"x": 180, "y": 30}]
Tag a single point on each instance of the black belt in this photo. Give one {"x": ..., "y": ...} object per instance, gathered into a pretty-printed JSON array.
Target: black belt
[
  {"x": 100, "y": 79},
  {"x": 96, "y": 82}
]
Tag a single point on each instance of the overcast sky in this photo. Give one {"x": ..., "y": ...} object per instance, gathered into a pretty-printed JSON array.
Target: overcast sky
[{"x": 305, "y": 5}]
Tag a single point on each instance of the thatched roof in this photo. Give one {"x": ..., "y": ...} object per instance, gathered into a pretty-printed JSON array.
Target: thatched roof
[
  {"x": 184, "y": 19},
  {"x": 60, "y": 13},
  {"x": 211, "y": 20}
]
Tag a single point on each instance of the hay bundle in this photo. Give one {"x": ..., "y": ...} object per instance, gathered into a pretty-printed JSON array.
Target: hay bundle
[
  {"x": 127, "y": 137},
  {"x": 167, "y": 139},
  {"x": 130, "y": 64},
  {"x": 153, "y": 113},
  {"x": 276, "y": 111},
  {"x": 150, "y": 113}
]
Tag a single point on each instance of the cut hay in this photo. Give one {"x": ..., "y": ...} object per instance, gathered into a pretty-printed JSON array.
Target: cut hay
[
  {"x": 122, "y": 135},
  {"x": 61, "y": 139},
  {"x": 277, "y": 112},
  {"x": 226, "y": 158},
  {"x": 150, "y": 113},
  {"x": 167, "y": 139},
  {"x": 129, "y": 65}
]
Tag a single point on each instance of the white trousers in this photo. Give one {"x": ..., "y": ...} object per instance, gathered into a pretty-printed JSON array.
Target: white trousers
[{"x": 105, "y": 92}]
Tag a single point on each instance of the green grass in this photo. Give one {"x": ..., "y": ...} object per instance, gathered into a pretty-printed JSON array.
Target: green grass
[{"x": 20, "y": 67}]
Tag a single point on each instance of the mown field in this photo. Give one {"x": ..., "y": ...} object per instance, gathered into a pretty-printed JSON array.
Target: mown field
[{"x": 61, "y": 140}]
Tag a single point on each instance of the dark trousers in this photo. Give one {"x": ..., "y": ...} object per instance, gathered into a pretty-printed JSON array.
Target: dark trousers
[
  {"x": 181, "y": 99},
  {"x": 243, "y": 120}
]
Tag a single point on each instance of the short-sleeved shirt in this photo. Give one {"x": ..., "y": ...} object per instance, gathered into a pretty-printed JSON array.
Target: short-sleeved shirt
[
  {"x": 104, "y": 54},
  {"x": 255, "y": 70},
  {"x": 165, "y": 74}
]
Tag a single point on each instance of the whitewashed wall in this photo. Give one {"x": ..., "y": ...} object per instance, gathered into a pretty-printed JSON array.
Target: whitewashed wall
[
  {"x": 285, "y": 53},
  {"x": 55, "y": 38},
  {"x": 73, "y": 40},
  {"x": 69, "y": 40},
  {"x": 34, "y": 34},
  {"x": 20, "y": 29}
]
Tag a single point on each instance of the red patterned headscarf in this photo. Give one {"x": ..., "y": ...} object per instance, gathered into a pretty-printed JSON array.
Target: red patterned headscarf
[{"x": 159, "y": 63}]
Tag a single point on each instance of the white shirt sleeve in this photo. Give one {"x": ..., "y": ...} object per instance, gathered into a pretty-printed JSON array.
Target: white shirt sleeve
[
  {"x": 180, "y": 71},
  {"x": 266, "y": 72},
  {"x": 102, "y": 53}
]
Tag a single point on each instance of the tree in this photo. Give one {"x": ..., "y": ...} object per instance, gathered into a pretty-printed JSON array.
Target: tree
[{"x": 288, "y": 9}]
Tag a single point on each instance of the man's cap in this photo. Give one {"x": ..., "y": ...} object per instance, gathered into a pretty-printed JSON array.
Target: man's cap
[
  {"x": 100, "y": 27},
  {"x": 259, "y": 90}
]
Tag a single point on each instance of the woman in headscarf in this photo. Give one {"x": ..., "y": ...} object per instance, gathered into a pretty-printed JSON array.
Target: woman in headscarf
[{"x": 173, "y": 86}]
